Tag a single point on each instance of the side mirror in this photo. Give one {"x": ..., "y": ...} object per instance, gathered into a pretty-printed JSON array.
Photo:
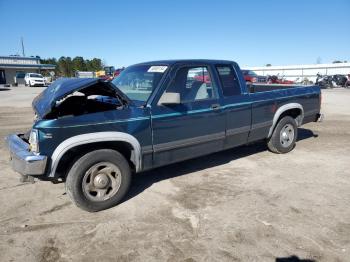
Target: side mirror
[{"x": 169, "y": 99}]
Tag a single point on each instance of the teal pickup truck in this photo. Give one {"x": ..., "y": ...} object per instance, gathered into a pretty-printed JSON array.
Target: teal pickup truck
[{"x": 94, "y": 135}]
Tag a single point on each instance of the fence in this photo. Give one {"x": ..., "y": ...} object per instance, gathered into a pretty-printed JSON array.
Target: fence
[{"x": 293, "y": 72}]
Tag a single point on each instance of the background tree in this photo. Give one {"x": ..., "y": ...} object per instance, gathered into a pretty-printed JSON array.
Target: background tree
[
  {"x": 94, "y": 65},
  {"x": 79, "y": 64},
  {"x": 66, "y": 66},
  {"x": 50, "y": 61}
]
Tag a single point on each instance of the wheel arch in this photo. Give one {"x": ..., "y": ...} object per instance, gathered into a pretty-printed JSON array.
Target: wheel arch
[
  {"x": 294, "y": 110},
  {"x": 76, "y": 146}
]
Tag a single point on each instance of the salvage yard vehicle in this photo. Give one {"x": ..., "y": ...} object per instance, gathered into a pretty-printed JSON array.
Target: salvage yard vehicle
[
  {"x": 324, "y": 81},
  {"x": 339, "y": 80},
  {"x": 34, "y": 79},
  {"x": 276, "y": 79},
  {"x": 94, "y": 135},
  {"x": 347, "y": 83},
  {"x": 251, "y": 77}
]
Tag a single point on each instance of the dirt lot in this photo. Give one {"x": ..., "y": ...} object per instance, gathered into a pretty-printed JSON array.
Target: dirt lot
[{"x": 245, "y": 204}]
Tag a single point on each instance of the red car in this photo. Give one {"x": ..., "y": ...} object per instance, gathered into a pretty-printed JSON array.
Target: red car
[
  {"x": 205, "y": 78},
  {"x": 252, "y": 77},
  {"x": 281, "y": 81}
]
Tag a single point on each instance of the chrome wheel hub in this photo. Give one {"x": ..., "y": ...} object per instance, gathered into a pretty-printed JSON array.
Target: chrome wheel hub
[
  {"x": 101, "y": 181},
  {"x": 287, "y": 135}
]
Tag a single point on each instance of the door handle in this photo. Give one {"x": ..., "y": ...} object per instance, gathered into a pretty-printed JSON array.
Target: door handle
[{"x": 215, "y": 106}]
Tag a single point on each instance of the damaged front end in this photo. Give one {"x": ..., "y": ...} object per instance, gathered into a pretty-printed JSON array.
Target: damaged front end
[
  {"x": 64, "y": 98},
  {"x": 72, "y": 97}
]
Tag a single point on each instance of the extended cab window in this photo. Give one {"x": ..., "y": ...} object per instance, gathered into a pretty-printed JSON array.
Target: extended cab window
[
  {"x": 193, "y": 84},
  {"x": 229, "y": 81}
]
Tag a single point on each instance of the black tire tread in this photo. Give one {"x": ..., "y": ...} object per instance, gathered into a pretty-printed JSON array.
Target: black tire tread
[
  {"x": 273, "y": 143},
  {"x": 75, "y": 174}
]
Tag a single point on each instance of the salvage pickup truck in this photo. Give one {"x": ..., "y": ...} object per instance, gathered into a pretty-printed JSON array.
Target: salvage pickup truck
[{"x": 94, "y": 135}]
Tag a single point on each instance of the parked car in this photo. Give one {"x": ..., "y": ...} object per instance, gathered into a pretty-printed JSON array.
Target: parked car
[
  {"x": 347, "y": 83},
  {"x": 251, "y": 77},
  {"x": 203, "y": 77},
  {"x": 34, "y": 79},
  {"x": 94, "y": 134},
  {"x": 324, "y": 81},
  {"x": 276, "y": 79},
  {"x": 339, "y": 80}
]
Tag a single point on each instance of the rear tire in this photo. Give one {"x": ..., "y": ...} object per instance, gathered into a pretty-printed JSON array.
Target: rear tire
[
  {"x": 98, "y": 180},
  {"x": 284, "y": 136}
]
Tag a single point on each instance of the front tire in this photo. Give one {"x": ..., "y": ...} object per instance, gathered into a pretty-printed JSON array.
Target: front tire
[
  {"x": 98, "y": 180},
  {"x": 284, "y": 136}
]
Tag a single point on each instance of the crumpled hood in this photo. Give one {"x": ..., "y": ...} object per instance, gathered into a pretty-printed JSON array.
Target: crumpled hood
[{"x": 46, "y": 100}]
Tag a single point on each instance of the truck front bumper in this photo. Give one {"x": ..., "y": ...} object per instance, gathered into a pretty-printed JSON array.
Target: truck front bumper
[{"x": 22, "y": 160}]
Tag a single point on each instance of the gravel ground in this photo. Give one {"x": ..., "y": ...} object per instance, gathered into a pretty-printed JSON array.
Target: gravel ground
[{"x": 245, "y": 204}]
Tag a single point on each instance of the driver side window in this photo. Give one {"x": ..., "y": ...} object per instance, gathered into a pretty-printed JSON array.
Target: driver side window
[{"x": 193, "y": 84}]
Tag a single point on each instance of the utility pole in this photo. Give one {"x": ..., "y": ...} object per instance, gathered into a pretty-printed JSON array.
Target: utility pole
[{"x": 23, "y": 54}]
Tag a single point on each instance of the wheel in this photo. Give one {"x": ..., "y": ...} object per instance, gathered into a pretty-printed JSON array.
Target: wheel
[
  {"x": 98, "y": 180},
  {"x": 284, "y": 136},
  {"x": 29, "y": 84}
]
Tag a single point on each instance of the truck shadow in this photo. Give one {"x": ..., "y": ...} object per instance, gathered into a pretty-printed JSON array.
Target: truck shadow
[
  {"x": 293, "y": 259},
  {"x": 305, "y": 134},
  {"x": 146, "y": 179}
]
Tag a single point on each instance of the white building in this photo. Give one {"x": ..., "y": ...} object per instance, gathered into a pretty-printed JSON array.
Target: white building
[{"x": 292, "y": 72}]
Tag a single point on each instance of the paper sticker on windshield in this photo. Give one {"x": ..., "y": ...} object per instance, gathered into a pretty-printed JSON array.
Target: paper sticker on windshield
[{"x": 157, "y": 69}]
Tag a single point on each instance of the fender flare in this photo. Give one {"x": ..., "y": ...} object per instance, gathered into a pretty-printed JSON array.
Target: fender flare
[
  {"x": 88, "y": 138},
  {"x": 283, "y": 109}
]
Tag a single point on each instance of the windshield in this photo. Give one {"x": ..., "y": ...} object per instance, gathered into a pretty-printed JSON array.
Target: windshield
[
  {"x": 36, "y": 75},
  {"x": 139, "y": 81}
]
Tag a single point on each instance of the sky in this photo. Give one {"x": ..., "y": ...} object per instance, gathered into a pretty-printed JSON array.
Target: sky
[{"x": 121, "y": 33}]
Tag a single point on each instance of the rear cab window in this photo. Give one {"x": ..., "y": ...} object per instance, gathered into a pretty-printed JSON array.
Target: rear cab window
[{"x": 229, "y": 80}]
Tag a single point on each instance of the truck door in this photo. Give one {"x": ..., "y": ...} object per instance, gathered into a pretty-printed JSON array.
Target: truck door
[
  {"x": 196, "y": 125},
  {"x": 237, "y": 106}
]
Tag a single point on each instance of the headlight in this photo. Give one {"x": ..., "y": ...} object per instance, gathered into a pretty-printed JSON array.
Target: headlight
[{"x": 33, "y": 141}]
